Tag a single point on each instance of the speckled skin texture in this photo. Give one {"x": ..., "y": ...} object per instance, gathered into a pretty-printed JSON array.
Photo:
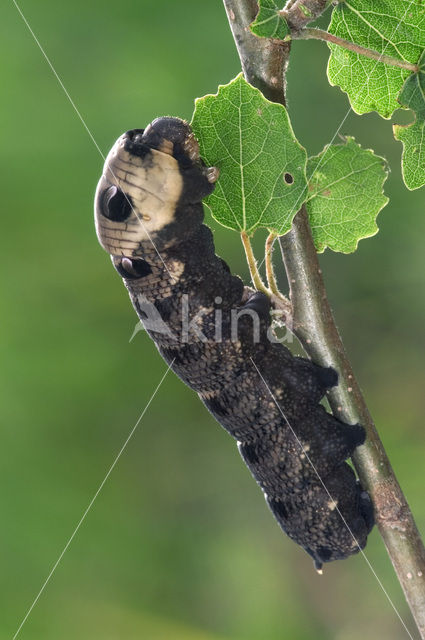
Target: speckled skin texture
[{"x": 295, "y": 450}]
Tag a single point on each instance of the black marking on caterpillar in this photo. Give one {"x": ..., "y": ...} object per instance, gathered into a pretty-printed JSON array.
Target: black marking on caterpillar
[{"x": 149, "y": 200}]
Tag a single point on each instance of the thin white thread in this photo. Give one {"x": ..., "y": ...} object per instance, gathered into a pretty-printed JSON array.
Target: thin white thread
[
  {"x": 91, "y": 502},
  {"x": 340, "y": 126},
  {"x": 88, "y": 130},
  {"x": 303, "y": 450}
]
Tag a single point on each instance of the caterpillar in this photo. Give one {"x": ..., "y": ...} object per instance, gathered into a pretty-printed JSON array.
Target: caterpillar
[{"x": 149, "y": 218}]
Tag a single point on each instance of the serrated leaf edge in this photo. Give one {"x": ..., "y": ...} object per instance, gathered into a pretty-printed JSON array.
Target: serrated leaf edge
[
  {"x": 400, "y": 127},
  {"x": 300, "y": 202},
  {"x": 386, "y": 169}
]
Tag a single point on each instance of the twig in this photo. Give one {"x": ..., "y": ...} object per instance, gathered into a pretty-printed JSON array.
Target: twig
[
  {"x": 298, "y": 13},
  {"x": 289, "y": 5},
  {"x": 319, "y": 34},
  {"x": 263, "y": 60},
  {"x": 316, "y": 329}
]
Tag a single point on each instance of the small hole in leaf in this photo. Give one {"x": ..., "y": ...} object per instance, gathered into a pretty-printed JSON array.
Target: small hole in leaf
[{"x": 288, "y": 177}]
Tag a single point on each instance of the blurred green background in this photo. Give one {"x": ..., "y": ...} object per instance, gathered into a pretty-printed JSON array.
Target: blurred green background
[{"x": 179, "y": 544}]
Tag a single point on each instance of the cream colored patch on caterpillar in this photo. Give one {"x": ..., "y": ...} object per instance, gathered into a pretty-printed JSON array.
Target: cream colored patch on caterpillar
[
  {"x": 208, "y": 395},
  {"x": 166, "y": 146},
  {"x": 154, "y": 184},
  {"x": 176, "y": 268},
  {"x": 332, "y": 505},
  {"x": 305, "y": 450}
]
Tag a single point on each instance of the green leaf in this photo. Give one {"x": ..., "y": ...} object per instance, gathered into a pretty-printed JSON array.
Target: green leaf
[
  {"x": 345, "y": 195},
  {"x": 393, "y": 27},
  {"x": 262, "y": 179},
  {"x": 269, "y": 23},
  {"x": 413, "y": 135}
]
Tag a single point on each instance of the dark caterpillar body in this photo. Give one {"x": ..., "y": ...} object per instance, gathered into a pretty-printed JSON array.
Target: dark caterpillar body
[{"x": 215, "y": 334}]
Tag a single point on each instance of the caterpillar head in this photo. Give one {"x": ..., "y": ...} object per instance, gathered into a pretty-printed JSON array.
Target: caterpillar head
[{"x": 150, "y": 193}]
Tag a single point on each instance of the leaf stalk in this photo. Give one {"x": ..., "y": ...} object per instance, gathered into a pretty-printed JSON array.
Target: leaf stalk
[
  {"x": 319, "y": 34},
  {"x": 252, "y": 264},
  {"x": 271, "y": 278}
]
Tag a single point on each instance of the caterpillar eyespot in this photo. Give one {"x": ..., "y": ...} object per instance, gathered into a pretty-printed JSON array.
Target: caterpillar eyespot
[
  {"x": 116, "y": 205},
  {"x": 216, "y": 340},
  {"x": 129, "y": 269}
]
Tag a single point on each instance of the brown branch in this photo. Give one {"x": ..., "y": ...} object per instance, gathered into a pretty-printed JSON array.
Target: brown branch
[
  {"x": 299, "y": 13},
  {"x": 264, "y": 61},
  {"x": 315, "y": 327}
]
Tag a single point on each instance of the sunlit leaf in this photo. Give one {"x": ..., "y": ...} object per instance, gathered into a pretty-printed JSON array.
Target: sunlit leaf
[
  {"x": 345, "y": 195},
  {"x": 413, "y": 135},
  {"x": 392, "y": 27},
  {"x": 262, "y": 179}
]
